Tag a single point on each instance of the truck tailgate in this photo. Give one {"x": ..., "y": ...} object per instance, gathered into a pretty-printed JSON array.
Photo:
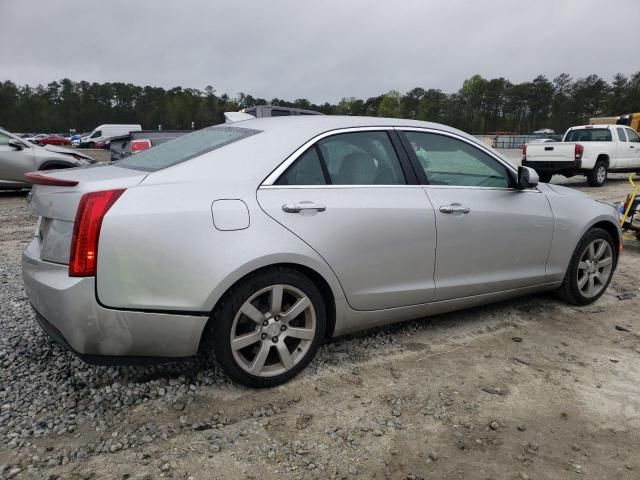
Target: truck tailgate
[{"x": 551, "y": 152}]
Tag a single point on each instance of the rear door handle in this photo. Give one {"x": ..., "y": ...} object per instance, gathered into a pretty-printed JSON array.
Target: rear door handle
[
  {"x": 302, "y": 206},
  {"x": 454, "y": 208}
]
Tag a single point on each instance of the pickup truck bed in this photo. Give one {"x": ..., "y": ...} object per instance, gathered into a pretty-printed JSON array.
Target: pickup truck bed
[{"x": 587, "y": 150}]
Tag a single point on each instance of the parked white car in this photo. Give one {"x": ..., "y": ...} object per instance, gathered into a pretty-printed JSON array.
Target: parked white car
[
  {"x": 591, "y": 150},
  {"x": 104, "y": 132}
]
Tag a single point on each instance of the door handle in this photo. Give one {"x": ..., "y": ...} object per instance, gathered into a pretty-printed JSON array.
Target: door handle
[
  {"x": 302, "y": 206},
  {"x": 454, "y": 208},
  {"x": 631, "y": 146}
]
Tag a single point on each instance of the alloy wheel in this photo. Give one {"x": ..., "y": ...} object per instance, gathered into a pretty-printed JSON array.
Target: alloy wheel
[
  {"x": 273, "y": 330},
  {"x": 594, "y": 268},
  {"x": 601, "y": 174}
]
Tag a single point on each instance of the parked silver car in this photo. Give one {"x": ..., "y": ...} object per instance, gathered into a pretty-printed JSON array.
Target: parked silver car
[
  {"x": 255, "y": 241},
  {"x": 18, "y": 156}
]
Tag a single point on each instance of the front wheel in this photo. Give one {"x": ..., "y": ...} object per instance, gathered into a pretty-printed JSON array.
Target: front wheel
[
  {"x": 591, "y": 268},
  {"x": 268, "y": 328},
  {"x": 598, "y": 176}
]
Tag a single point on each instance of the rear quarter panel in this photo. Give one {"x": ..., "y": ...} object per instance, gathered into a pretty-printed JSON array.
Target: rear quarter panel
[{"x": 159, "y": 248}]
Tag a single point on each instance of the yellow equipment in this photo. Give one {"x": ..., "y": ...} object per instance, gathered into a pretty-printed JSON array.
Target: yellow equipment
[{"x": 631, "y": 120}]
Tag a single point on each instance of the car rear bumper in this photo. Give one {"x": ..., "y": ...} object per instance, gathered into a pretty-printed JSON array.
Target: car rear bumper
[
  {"x": 543, "y": 166},
  {"x": 68, "y": 311}
]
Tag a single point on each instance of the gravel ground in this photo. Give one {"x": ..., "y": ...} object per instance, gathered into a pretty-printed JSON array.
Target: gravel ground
[{"x": 530, "y": 388}]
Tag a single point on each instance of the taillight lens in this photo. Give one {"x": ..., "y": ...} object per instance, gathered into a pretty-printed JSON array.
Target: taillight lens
[
  {"x": 93, "y": 207},
  {"x": 579, "y": 150},
  {"x": 524, "y": 151},
  {"x": 140, "y": 145}
]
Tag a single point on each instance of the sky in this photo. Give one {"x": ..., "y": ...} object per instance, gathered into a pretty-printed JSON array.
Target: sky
[{"x": 322, "y": 50}]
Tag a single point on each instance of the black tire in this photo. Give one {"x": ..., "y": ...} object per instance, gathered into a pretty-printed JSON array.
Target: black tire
[
  {"x": 219, "y": 329},
  {"x": 595, "y": 177},
  {"x": 569, "y": 291},
  {"x": 544, "y": 177},
  {"x": 91, "y": 145}
]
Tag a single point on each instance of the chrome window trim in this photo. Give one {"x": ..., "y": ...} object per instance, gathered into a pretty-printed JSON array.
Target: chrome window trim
[{"x": 280, "y": 169}]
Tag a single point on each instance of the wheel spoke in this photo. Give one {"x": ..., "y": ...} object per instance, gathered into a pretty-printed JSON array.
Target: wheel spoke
[
  {"x": 299, "y": 307},
  {"x": 301, "y": 333},
  {"x": 601, "y": 250},
  {"x": 261, "y": 357},
  {"x": 605, "y": 262},
  {"x": 582, "y": 266},
  {"x": 582, "y": 281},
  {"x": 276, "y": 299},
  {"x": 285, "y": 355},
  {"x": 245, "y": 340},
  {"x": 592, "y": 285},
  {"x": 252, "y": 312},
  {"x": 592, "y": 251}
]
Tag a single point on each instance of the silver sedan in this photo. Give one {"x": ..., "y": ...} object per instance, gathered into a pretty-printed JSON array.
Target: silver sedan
[
  {"x": 255, "y": 241},
  {"x": 18, "y": 156}
]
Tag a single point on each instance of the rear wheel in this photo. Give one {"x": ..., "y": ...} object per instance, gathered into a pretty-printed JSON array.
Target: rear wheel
[
  {"x": 598, "y": 176},
  {"x": 544, "y": 177},
  {"x": 591, "y": 268},
  {"x": 268, "y": 328}
]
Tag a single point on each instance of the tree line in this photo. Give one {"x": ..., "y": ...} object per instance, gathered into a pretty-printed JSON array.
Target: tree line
[{"x": 480, "y": 106}]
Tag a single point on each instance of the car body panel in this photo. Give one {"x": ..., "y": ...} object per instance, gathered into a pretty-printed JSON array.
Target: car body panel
[{"x": 161, "y": 252}]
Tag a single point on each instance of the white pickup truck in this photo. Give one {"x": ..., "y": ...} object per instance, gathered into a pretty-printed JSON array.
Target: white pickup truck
[{"x": 591, "y": 150}]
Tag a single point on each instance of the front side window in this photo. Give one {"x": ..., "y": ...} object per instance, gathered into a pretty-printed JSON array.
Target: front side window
[
  {"x": 449, "y": 161},
  {"x": 184, "y": 148},
  {"x": 621, "y": 134},
  {"x": 4, "y": 139},
  {"x": 633, "y": 136},
  {"x": 97, "y": 134},
  {"x": 361, "y": 158}
]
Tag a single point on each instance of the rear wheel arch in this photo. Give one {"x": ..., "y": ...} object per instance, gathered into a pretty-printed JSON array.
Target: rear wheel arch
[
  {"x": 318, "y": 280},
  {"x": 603, "y": 158}
]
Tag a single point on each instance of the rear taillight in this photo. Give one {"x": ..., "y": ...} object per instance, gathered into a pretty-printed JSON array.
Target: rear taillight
[
  {"x": 86, "y": 231},
  {"x": 524, "y": 152},
  {"x": 140, "y": 145},
  {"x": 579, "y": 150},
  {"x": 38, "y": 178}
]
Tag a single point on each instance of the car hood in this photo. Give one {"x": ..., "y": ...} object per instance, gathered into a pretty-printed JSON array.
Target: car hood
[
  {"x": 566, "y": 191},
  {"x": 66, "y": 152}
]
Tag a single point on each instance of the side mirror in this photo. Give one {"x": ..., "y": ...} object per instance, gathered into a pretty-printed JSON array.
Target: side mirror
[
  {"x": 15, "y": 144},
  {"x": 527, "y": 178}
]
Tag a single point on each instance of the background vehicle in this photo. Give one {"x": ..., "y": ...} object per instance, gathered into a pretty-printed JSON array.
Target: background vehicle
[
  {"x": 299, "y": 262},
  {"x": 105, "y": 132},
  {"x": 36, "y": 138},
  {"x": 272, "y": 111},
  {"x": 138, "y": 141},
  {"x": 544, "y": 131},
  {"x": 588, "y": 150},
  {"x": 18, "y": 157},
  {"x": 56, "y": 139}
]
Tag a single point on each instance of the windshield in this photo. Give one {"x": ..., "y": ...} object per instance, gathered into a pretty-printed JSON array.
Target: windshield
[
  {"x": 185, "y": 148},
  {"x": 589, "y": 135}
]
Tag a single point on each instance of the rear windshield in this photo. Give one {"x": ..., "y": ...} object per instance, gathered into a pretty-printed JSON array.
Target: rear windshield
[
  {"x": 589, "y": 135},
  {"x": 185, "y": 148}
]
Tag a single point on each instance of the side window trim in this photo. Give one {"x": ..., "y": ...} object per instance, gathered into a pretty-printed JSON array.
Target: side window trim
[
  {"x": 621, "y": 135},
  {"x": 323, "y": 164},
  {"x": 416, "y": 162}
]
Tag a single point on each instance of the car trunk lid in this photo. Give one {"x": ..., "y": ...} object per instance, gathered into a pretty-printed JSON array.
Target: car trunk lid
[{"x": 55, "y": 198}]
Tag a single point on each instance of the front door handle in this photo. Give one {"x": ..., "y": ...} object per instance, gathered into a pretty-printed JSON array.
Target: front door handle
[
  {"x": 631, "y": 146},
  {"x": 454, "y": 208},
  {"x": 302, "y": 206}
]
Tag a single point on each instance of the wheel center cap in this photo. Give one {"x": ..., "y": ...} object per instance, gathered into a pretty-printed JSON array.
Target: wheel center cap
[{"x": 273, "y": 329}]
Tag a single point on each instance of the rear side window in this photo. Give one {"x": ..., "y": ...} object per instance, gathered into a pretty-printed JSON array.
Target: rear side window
[
  {"x": 307, "y": 170},
  {"x": 621, "y": 134},
  {"x": 633, "y": 136},
  {"x": 589, "y": 135},
  {"x": 280, "y": 113},
  {"x": 362, "y": 158},
  {"x": 185, "y": 148}
]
